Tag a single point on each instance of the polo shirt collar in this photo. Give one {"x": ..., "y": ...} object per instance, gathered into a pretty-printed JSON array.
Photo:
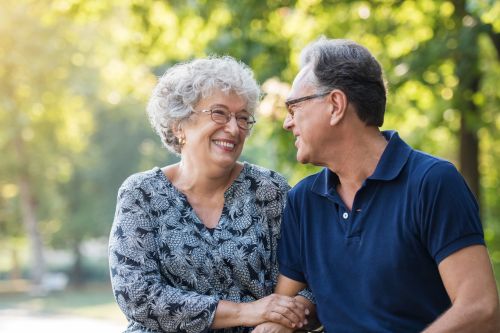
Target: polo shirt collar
[
  {"x": 324, "y": 181},
  {"x": 391, "y": 163},
  {"x": 393, "y": 158}
]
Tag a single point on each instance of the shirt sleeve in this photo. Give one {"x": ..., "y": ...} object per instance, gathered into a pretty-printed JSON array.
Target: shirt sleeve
[
  {"x": 275, "y": 226},
  {"x": 289, "y": 258},
  {"x": 138, "y": 286},
  {"x": 284, "y": 188},
  {"x": 449, "y": 213}
]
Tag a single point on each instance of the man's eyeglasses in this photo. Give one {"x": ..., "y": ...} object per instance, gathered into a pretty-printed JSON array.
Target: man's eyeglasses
[
  {"x": 244, "y": 120},
  {"x": 290, "y": 103}
]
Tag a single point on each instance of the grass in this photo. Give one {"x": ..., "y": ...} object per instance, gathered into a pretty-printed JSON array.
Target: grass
[{"x": 93, "y": 302}]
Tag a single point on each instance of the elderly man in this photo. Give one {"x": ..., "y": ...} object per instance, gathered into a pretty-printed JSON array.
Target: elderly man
[{"x": 388, "y": 238}]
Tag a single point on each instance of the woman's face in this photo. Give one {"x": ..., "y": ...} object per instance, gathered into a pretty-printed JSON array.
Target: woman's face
[{"x": 211, "y": 144}]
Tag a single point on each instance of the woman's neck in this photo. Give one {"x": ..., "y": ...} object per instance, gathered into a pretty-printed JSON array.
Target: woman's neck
[{"x": 201, "y": 180}]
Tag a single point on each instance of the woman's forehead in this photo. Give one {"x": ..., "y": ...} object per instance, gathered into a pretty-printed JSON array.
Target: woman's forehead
[{"x": 229, "y": 100}]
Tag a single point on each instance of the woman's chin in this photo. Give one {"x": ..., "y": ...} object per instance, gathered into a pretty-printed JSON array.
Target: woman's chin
[{"x": 224, "y": 161}]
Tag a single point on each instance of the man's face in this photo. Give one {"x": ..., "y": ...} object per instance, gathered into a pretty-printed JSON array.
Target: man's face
[{"x": 307, "y": 119}]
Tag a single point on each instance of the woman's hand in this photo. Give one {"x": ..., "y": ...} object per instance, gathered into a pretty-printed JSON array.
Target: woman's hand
[
  {"x": 271, "y": 328},
  {"x": 275, "y": 308}
]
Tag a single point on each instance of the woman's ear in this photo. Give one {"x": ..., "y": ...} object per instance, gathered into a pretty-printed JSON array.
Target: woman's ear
[
  {"x": 177, "y": 129},
  {"x": 179, "y": 134},
  {"x": 338, "y": 106}
]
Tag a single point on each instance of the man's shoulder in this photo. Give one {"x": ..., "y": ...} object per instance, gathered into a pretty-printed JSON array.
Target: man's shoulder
[
  {"x": 419, "y": 164},
  {"x": 426, "y": 165}
]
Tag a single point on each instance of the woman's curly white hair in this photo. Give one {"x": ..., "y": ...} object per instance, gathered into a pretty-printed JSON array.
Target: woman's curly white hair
[{"x": 185, "y": 84}]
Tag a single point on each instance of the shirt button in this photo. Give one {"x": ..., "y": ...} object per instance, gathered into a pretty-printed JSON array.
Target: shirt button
[{"x": 345, "y": 216}]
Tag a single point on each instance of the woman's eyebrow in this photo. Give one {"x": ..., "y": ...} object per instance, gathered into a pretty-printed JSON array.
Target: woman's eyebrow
[{"x": 217, "y": 105}]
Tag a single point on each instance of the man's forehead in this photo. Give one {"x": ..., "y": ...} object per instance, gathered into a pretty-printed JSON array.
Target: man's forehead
[{"x": 302, "y": 82}]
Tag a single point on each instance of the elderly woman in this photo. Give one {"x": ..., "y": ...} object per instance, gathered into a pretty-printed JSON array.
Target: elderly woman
[{"x": 193, "y": 245}]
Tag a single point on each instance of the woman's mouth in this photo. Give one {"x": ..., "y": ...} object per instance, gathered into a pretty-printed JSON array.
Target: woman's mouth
[{"x": 226, "y": 145}]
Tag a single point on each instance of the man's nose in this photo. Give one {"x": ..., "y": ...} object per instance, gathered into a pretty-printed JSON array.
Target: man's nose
[{"x": 288, "y": 122}]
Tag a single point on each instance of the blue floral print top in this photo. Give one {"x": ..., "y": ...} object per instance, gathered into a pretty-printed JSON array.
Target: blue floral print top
[{"x": 169, "y": 271}]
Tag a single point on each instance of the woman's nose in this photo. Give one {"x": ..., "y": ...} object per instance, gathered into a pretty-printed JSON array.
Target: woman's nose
[{"x": 232, "y": 125}]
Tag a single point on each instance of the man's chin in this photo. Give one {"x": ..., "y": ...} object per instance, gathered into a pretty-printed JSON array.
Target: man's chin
[
  {"x": 307, "y": 160},
  {"x": 302, "y": 159}
]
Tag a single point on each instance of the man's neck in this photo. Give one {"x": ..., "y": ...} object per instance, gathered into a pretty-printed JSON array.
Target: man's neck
[{"x": 356, "y": 159}]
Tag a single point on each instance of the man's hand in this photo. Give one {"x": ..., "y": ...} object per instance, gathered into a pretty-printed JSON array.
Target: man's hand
[{"x": 271, "y": 328}]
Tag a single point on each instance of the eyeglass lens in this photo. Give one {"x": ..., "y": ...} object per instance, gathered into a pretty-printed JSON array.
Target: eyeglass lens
[{"x": 244, "y": 120}]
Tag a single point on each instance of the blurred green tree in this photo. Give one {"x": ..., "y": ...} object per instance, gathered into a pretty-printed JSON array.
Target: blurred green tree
[
  {"x": 75, "y": 76},
  {"x": 44, "y": 124},
  {"x": 441, "y": 59}
]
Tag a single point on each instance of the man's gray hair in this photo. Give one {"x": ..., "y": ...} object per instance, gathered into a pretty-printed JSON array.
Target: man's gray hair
[
  {"x": 348, "y": 66},
  {"x": 184, "y": 85}
]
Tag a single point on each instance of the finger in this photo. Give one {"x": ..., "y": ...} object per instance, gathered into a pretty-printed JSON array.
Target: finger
[
  {"x": 287, "y": 317},
  {"x": 298, "y": 308},
  {"x": 278, "y": 318},
  {"x": 287, "y": 307}
]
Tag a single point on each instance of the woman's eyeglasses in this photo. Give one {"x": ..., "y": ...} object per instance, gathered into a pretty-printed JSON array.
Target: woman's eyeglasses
[{"x": 244, "y": 120}]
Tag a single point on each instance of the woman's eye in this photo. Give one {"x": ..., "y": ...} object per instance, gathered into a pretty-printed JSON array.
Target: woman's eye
[{"x": 219, "y": 113}]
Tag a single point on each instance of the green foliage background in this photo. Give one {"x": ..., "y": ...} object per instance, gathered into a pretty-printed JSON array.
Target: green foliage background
[{"x": 75, "y": 76}]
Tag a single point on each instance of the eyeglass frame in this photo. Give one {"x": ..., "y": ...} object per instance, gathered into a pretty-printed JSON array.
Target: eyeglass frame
[
  {"x": 292, "y": 102},
  {"x": 250, "y": 123}
]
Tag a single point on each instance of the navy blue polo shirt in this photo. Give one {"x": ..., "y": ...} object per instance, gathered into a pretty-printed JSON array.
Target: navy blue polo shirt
[{"x": 375, "y": 268}]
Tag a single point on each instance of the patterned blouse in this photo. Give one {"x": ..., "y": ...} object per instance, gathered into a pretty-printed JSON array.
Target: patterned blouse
[{"x": 169, "y": 271}]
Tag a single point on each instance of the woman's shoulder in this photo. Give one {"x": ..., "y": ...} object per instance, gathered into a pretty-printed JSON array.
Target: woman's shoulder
[
  {"x": 264, "y": 175},
  {"x": 142, "y": 179}
]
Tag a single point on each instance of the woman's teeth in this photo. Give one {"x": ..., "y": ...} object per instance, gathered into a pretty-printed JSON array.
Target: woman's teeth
[{"x": 224, "y": 144}]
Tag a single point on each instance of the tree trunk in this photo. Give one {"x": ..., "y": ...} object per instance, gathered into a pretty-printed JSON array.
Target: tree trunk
[
  {"x": 77, "y": 278},
  {"x": 469, "y": 75},
  {"x": 28, "y": 212},
  {"x": 15, "y": 271},
  {"x": 469, "y": 154}
]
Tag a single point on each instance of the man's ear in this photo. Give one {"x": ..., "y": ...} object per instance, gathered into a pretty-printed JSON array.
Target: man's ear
[{"x": 338, "y": 106}]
